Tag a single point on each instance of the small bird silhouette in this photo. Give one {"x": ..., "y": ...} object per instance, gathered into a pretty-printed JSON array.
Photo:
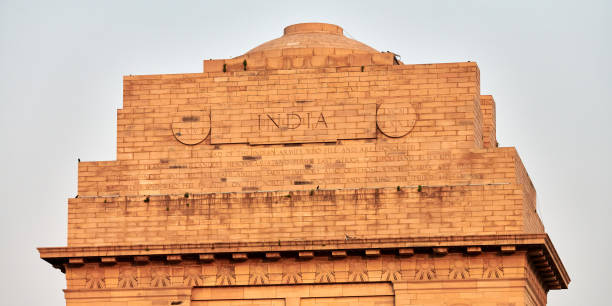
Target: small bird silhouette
[
  {"x": 347, "y": 237},
  {"x": 78, "y": 159},
  {"x": 317, "y": 187},
  {"x": 77, "y": 196}
]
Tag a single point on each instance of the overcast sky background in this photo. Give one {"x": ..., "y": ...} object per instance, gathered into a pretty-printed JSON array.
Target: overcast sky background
[{"x": 547, "y": 64}]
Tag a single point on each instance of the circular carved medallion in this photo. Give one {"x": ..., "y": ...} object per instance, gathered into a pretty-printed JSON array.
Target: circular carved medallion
[
  {"x": 191, "y": 127},
  {"x": 396, "y": 119}
]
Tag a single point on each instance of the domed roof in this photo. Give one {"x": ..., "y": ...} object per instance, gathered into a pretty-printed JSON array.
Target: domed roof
[{"x": 313, "y": 35}]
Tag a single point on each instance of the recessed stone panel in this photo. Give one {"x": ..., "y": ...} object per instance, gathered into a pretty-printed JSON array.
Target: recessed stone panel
[{"x": 294, "y": 121}]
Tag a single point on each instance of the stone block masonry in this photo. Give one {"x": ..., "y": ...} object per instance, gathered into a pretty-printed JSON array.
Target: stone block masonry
[
  {"x": 312, "y": 170},
  {"x": 299, "y": 215}
]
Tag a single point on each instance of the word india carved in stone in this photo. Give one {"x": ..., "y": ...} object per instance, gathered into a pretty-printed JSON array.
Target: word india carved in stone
[
  {"x": 291, "y": 121},
  {"x": 297, "y": 122}
]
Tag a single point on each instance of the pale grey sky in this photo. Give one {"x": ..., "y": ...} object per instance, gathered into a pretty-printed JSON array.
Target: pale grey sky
[{"x": 547, "y": 63}]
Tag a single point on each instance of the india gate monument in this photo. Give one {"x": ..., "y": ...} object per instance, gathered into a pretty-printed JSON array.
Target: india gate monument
[{"x": 313, "y": 170}]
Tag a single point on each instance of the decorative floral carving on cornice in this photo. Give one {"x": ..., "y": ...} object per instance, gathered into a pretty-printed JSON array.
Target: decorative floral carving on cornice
[
  {"x": 358, "y": 271},
  {"x": 258, "y": 274},
  {"x": 193, "y": 276},
  {"x": 425, "y": 270},
  {"x": 127, "y": 277},
  {"x": 391, "y": 271},
  {"x": 291, "y": 274},
  {"x": 94, "y": 279},
  {"x": 459, "y": 270},
  {"x": 160, "y": 277},
  {"x": 325, "y": 273},
  {"x": 226, "y": 274},
  {"x": 493, "y": 268}
]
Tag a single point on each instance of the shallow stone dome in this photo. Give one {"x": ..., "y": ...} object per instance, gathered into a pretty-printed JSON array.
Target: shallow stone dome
[{"x": 313, "y": 35}]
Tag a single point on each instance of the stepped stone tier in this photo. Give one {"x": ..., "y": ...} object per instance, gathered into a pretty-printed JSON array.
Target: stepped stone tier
[{"x": 312, "y": 170}]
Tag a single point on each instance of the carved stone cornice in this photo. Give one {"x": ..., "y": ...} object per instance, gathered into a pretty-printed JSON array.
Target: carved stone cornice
[{"x": 538, "y": 247}]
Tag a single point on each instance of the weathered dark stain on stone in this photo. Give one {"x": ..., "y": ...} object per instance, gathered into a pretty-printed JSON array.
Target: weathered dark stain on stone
[
  {"x": 377, "y": 198},
  {"x": 302, "y": 183},
  {"x": 191, "y": 119},
  {"x": 251, "y": 157}
]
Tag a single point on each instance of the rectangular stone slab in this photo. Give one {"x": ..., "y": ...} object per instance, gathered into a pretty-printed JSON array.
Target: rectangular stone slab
[{"x": 296, "y": 121}]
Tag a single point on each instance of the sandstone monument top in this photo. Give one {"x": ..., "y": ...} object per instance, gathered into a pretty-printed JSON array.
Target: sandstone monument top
[{"x": 312, "y": 170}]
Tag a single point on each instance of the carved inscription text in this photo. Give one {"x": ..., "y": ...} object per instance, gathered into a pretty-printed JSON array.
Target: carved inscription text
[{"x": 291, "y": 121}]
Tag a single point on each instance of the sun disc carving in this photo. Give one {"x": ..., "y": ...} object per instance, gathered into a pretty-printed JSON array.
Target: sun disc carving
[
  {"x": 191, "y": 127},
  {"x": 396, "y": 119}
]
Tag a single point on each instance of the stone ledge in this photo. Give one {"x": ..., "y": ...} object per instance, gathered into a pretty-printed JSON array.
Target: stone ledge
[{"x": 539, "y": 248}]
